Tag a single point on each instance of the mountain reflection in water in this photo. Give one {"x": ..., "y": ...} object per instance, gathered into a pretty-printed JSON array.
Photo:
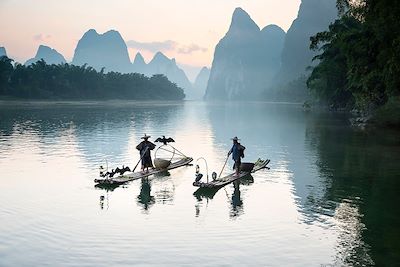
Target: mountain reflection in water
[{"x": 330, "y": 196}]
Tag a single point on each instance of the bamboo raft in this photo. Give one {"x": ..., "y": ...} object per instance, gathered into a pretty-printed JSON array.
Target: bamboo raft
[
  {"x": 175, "y": 160},
  {"x": 131, "y": 176},
  {"x": 220, "y": 182}
]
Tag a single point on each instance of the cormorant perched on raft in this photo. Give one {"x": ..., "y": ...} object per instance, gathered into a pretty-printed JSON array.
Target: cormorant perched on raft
[
  {"x": 122, "y": 170},
  {"x": 164, "y": 140},
  {"x": 117, "y": 170}
]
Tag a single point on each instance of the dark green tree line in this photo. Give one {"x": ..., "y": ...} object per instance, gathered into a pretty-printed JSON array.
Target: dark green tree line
[
  {"x": 359, "y": 63},
  {"x": 65, "y": 81}
]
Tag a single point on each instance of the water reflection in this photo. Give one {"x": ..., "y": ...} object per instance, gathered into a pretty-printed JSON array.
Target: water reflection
[
  {"x": 351, "y": 248},
  {"x": 106, "y": 187},
  {"x": 331, "y": 190},
  {"x": 237, "y": 208},
  {"x": 355, "y": 168},
  {"x": 247, "y": 180},
  {"x": 288, "y": 132},
  {"x": 145, "y": 199},
  {"x": 236, "y": 203},
  {"x": 275, "y": 131},
  {"x": 104, "y": 201},
  {"x": 205, "y": 193},
  {"x": 235, "y": 200},
  {"x": 327, "y": 162},
  {"x": 165, "y": 191},
  {"x": 158, "y": 189},
  {"x": 101, "y": 130}
]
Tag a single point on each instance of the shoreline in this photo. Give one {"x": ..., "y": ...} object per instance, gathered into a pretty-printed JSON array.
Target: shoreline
[{"x": 91, "y": 102}]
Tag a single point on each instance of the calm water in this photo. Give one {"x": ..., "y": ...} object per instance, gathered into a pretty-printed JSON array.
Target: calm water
[{"x": 330, "y": 198}]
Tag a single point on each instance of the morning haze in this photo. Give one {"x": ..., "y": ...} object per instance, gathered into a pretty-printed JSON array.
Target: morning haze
[
  {"x": 199, "y": 133},
  {"x": 192, "y": 27}
]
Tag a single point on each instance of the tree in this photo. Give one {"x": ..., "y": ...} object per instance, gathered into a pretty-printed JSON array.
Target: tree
[
  {"x": 6, "y": 69},
  {"x": 64, "y": 81},
  {"x": 360, "y": 61}
]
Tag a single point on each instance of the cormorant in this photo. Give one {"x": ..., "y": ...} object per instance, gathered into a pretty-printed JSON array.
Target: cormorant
[{"x": 164, "y": 140}]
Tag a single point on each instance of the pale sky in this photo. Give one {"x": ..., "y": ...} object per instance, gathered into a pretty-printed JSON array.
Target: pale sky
[{"x": 187, "y": 30}]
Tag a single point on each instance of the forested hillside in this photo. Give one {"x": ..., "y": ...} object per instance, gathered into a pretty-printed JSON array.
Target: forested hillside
[
  {"x": 64, "y": 81},
  {"x": 359, "y": 60}
]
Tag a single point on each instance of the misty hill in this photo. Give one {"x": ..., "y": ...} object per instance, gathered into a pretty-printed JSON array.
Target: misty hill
[
  {"x": 245, "y": 59},
  {"x": 200, "y": 84},
  {"x": 314, "y": 16},
  {"x": 49, "y": 55},
  {"x": 139, "y": 65},
  {"x": 161, "y": 64},
  {"x": 109, "y": 50},
  {"x": 273, "y": 38},
  {"x": 3, "y": 51},
  {"x": 106, "y": 50}
]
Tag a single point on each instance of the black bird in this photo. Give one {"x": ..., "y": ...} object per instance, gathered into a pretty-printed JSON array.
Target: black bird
[
  {"x": 110, "y": 174},
  {"x": 126, "y": 169},
  {"x": 164, "y": 140},
  {"x": 122, "y": 170}
]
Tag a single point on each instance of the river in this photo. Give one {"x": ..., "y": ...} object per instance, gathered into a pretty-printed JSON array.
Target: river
[{"x": 329, "y": 199}]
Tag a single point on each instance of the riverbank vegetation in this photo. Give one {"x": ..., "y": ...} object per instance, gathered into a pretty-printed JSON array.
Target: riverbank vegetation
[
  {"x": 70, "y": 82},
  {"x": 359, "y": 64}
]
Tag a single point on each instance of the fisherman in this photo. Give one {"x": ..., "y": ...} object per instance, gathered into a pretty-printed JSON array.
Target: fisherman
[
  {"x": 237, "y": 152},
  {"x": 144, "y": 147}
]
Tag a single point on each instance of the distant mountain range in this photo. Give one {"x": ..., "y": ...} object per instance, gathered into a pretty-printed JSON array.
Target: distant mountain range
[
  {"x": 160, "y": 64},
  {"x": 314, "y": 16},
  {"x": 249, "y": 62},
  {"x": 245, "y": 60},
  {"x": 51, "y": 56},
  {"x": 200, "y": 84},
  {"x": 109, "y": 51}
]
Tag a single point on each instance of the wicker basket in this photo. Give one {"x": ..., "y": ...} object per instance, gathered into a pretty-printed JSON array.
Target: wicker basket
[
  {"x": 161, "y": 163},
  {"x": 246, "y": 166}
]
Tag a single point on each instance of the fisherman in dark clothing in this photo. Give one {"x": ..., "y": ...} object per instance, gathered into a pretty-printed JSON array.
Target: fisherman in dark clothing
[
  {"x": 237, "y": 152},
  {"x": 144, "y": 147}
]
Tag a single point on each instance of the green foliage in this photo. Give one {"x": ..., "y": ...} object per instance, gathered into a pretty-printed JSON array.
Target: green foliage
[
  {"x": 6, "y": 69},
  {"x": 64, "y": 81},
  {"x": 359, "y": 64},
  {"x": 388, "y": 114}
]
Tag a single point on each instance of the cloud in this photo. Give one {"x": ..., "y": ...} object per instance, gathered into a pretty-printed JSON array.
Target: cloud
[
  {"x": 191, "y": 48},
  {"x": 41, "y": 37},
  {"x": 164, "y": 46},
  {"x": 167, "y": 45}
]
